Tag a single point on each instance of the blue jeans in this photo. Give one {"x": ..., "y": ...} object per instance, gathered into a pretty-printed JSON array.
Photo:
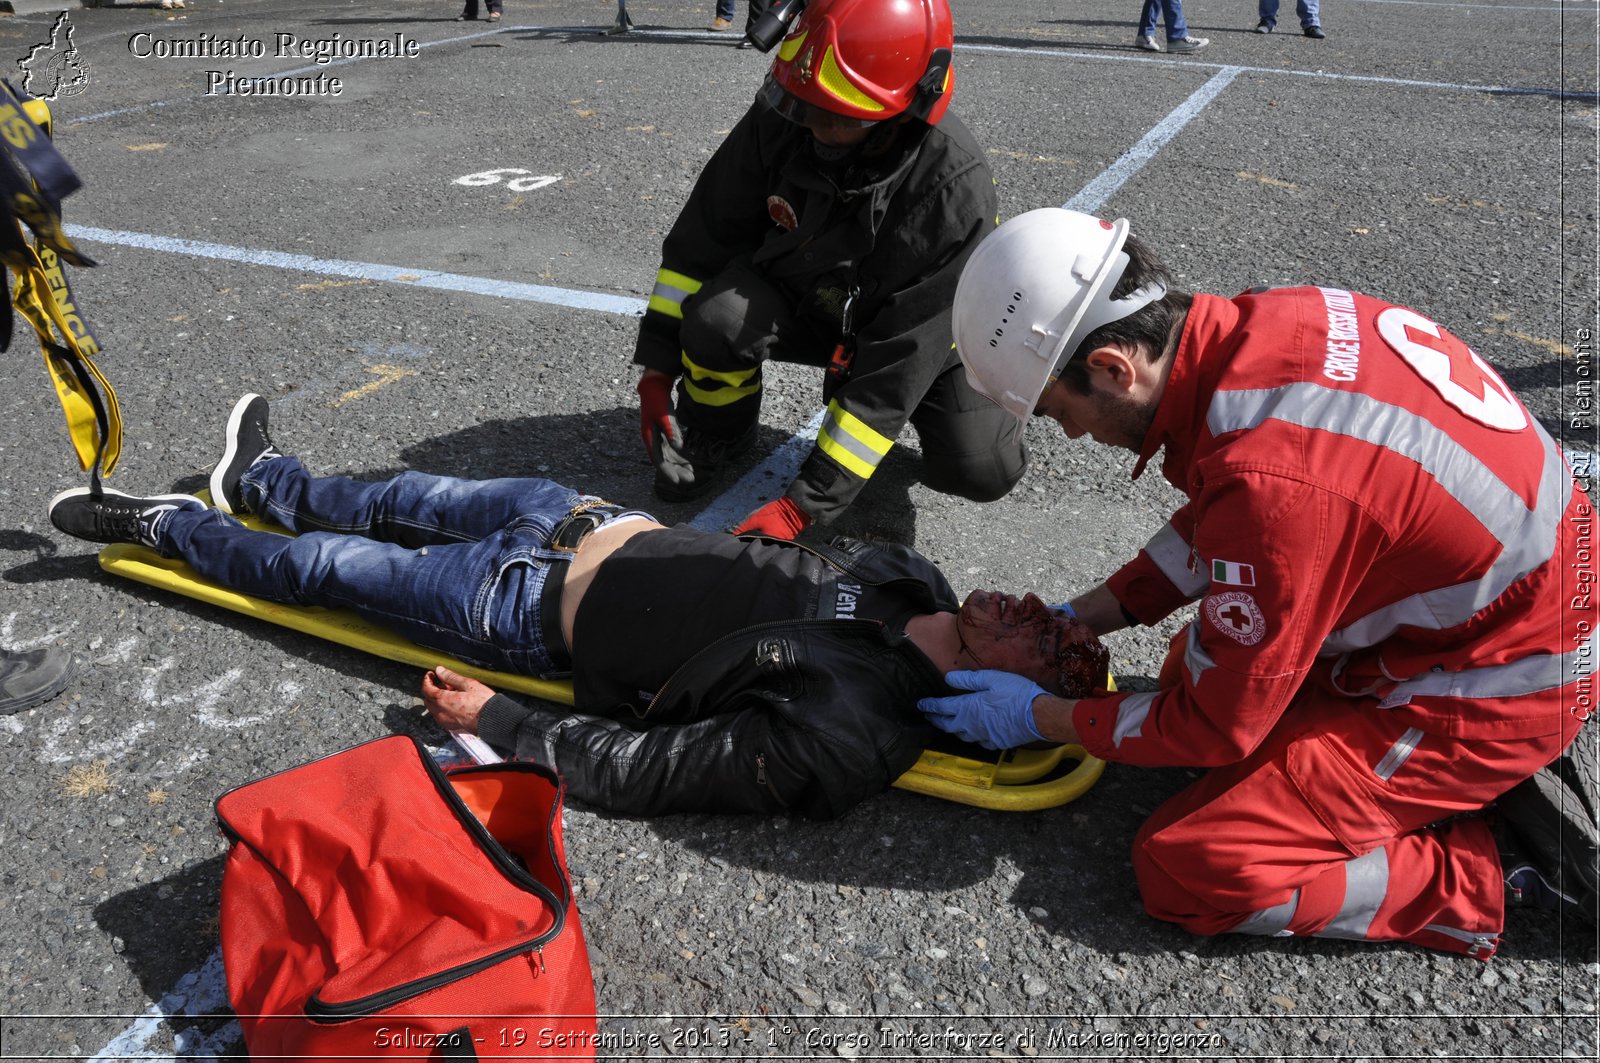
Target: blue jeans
[
  {"x": 1171, "y": 12},
  {"x": 454, "y": 565},
  {"x": 1306, "y": 9},
  {"x": 726, "y": 9}
]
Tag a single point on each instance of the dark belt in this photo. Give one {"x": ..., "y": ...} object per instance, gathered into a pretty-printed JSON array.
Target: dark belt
[{"x": 565, "y": 537}]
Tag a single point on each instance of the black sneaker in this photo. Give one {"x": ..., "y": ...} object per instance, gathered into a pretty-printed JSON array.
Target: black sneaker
[
  {"x": 1550, "y": 842},
  {"x": 108, "y": 516},
  {"x": 688, "y": 470},
  {"x": 1314, "y": 32},
  {"x": 248, "y": 443},
  {"x": 32, "y": 677},
  {"x": 1264, "y": 26}
]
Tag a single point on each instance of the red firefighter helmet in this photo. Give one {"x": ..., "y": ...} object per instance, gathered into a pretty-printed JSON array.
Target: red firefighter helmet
[{"x": 867, "y": 60}]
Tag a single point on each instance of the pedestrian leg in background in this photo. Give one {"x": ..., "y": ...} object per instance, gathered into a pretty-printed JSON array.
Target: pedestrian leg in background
[{"x": 1178, "y": 40}]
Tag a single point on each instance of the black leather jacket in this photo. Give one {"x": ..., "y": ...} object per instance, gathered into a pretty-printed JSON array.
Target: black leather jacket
[{"x": 800, "y": 716}]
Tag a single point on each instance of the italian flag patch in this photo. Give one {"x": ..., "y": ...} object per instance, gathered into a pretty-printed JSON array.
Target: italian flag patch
[{"x": 1234, "y": 573}]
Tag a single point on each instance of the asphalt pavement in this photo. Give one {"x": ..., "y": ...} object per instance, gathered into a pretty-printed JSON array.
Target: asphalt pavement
[{"x": 440, "y": 267}]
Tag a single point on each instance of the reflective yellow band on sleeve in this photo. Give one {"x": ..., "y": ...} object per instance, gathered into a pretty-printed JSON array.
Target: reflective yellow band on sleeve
[
  {"x": 671, "y": 290},
  {"x": 851, "y": 442}
]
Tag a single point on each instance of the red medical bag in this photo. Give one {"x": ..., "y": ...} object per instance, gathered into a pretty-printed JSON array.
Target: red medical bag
[{"x": 375, "y": 906}]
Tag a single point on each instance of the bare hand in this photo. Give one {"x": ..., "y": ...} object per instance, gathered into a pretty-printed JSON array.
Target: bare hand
[{"x": 453, "y": 700}]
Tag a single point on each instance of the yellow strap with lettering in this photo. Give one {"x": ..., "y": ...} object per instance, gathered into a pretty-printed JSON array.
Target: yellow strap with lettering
[{"x": 43, "y": 296}]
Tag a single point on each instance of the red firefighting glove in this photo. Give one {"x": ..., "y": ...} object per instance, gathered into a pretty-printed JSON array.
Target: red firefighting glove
[
  {"x": 655, "y": 410},
  {"x": 781, "y": 519}
]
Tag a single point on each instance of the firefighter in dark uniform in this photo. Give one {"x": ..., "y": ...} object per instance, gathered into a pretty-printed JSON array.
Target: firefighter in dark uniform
[{"x": 829, "y": 229}]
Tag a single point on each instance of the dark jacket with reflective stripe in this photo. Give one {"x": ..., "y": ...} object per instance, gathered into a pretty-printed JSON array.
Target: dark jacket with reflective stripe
[
  {"x": 898, "y": 228},
  {"x": 806, "y": 716}
]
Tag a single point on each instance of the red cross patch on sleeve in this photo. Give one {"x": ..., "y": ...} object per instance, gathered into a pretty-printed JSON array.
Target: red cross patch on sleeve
[{"x": 1236, "y": 615}]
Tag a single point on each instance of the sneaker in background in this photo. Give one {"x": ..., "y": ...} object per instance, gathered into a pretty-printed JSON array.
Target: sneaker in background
[
  {"x": 1550, "y": 839},
  {"x": 32, "y": 677}
]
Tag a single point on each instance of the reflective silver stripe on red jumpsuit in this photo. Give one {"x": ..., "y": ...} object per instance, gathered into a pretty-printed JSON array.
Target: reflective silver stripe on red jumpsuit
[
  {"x": 1528, "y": 540},
  {"x": 1173, "y": 556},
  {"x": 1527, "y": 536}
]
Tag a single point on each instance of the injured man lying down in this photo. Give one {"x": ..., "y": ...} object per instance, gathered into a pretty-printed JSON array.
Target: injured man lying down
[{"x": 710, "y": 672}]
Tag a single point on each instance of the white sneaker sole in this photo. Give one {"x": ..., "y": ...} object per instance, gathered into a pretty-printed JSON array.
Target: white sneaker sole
[{"x": 219, "y": 497}]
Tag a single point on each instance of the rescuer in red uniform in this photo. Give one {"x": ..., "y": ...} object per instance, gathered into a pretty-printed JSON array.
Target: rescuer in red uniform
[{"x": 1394, "y": 572}]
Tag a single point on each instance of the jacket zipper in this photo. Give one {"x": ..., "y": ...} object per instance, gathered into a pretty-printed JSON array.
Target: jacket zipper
[
  {"x": 764, "y": 782},
  {"x": 742, "y": 635},
  {"x": 321, "y": 1011}
]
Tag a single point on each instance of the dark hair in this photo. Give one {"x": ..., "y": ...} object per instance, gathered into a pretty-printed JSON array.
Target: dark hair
[{"x": 1149, "y": 328}]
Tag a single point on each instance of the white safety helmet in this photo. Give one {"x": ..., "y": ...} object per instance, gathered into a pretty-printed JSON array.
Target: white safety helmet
[{"x": 1031, "y": 293}]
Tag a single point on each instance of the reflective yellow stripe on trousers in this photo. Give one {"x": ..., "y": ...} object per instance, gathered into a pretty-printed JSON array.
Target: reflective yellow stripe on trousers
[{"x": 728, "y": 387}]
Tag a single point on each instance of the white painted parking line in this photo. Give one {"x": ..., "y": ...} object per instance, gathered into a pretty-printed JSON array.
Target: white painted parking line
[
  {"x": 1321, "y": 75},
  {"x": 961, "y": 46},
  {"x": 375, "y": 271},
  {"x": 200, "y": 992},
  {"x": 1094, "y": 194}
]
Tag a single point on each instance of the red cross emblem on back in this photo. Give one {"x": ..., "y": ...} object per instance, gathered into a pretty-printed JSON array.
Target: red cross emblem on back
[
  {"x": 1467, "y": 370},
  {"x": 1452, "y": 369}
]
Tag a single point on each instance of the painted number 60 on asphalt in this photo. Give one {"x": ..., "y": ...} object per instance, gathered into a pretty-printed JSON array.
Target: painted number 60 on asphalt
[{"x": 516, "y": 184}]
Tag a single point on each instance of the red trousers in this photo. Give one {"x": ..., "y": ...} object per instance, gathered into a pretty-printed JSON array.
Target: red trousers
[{"x": 1346, "y": 822}]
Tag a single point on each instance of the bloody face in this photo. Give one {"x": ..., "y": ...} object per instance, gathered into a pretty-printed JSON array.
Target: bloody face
[{"x": 1026, "y": 637}]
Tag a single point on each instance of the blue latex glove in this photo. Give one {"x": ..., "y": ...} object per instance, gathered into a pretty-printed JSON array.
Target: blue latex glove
[
  {"x": 998, "y": 714},
  {"x": 1066, "y": 608}
]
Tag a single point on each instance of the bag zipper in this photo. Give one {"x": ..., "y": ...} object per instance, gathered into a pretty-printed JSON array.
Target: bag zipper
[{"x": 321, "y": 1011}]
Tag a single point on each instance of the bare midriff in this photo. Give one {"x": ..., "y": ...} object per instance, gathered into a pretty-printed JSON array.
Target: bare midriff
[{"x": 592, "y": 551}]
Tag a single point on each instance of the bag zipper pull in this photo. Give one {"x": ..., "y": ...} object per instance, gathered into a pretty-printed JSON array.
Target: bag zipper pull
[
  {"x": 761, "y": 769},
  {"x": 538, "y": 954}
]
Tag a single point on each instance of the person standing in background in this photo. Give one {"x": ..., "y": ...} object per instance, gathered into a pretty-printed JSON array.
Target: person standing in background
[
  {"x": 1178, "y": 40},
  {"x": 1306, "y": 9}
]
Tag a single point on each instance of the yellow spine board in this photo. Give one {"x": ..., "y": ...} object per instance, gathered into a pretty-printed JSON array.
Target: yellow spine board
[{"x": 1014, "y": 782}]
